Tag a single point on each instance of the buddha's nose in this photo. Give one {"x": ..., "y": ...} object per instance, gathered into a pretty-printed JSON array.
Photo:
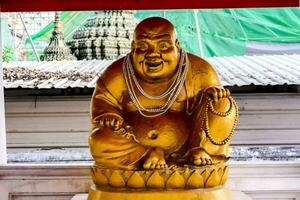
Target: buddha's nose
[{"x": 152, "y": 56}]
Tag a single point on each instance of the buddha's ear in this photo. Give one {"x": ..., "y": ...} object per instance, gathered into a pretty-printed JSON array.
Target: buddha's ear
[
  {"x": 177, "y": 44},
  {"x": 132, "y": 45}
]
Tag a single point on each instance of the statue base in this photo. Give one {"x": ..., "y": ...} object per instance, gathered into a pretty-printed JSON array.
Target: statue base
[{"x": 196, "y": 194}]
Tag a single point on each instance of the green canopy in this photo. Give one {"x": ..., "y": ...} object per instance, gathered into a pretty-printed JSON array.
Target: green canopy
[
  {"x": 223, "y": 32},
  {"x": 70, "y": 21}
]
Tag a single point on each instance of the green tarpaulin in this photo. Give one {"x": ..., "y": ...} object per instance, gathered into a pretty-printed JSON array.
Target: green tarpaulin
[
  {"x": 70, "y": 21},
  {"x": 224, "y": 32}
]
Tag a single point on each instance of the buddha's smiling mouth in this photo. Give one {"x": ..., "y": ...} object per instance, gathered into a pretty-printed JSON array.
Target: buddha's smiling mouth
[{"x": 154, "y": 66}]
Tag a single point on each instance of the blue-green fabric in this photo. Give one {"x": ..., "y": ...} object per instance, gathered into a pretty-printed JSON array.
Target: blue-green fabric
[{"x": 224, "y": 32}]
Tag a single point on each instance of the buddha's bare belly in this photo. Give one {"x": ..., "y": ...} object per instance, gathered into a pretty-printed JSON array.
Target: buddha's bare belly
[{"x": 168, "y": 131}]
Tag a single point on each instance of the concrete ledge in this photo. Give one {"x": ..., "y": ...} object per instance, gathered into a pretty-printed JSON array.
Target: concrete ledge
[
  {"x": 80, "y": 197},
  {"x": 262, "y": 153},
  {"x": 260, "y": 180}
]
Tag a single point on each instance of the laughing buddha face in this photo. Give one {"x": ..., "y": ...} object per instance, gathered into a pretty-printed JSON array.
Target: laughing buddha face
[{"x": 155, "y": 51}]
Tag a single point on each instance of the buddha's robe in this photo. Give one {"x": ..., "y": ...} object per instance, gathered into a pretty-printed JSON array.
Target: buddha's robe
[{"x": 176, "y": 132}]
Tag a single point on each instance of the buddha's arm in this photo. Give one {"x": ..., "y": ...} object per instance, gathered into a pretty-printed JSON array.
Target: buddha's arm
[
  {"x": 105, "y": 108},
  {"x": 214, "y": 118},
  {"x": 203, "y": 77},
  {"x": 112, "y": 144}
]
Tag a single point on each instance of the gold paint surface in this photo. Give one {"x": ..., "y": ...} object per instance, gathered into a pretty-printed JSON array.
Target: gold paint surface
[
  {"x": 188, "y": 177},
  {"x": 216, "y": 194},
  {"x": 160, "y": 118}
]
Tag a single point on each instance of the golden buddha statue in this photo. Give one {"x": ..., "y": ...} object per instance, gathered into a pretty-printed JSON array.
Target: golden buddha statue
[{"x": 160, "y": 117}]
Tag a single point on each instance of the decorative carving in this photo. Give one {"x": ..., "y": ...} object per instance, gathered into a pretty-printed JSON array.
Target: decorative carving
[
  {"x": 136, "y": 181},
  {"x": 107, "y": 35},
  {"x": 195, "y": 180},
  {"x": 188, "y": 177},
  {"x": 57, "y": 49}
]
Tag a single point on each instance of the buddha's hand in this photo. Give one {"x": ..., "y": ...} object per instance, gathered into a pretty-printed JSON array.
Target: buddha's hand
[
  {"x": 112, "y": 121},
  {"x": 217, "y": 93},
  {"x": 126, "y": 132}
]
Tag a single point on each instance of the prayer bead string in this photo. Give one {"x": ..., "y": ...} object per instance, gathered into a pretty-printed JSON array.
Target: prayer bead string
[
  {"x": 221, "y": 114},
  {"x": 172, "y": 91}
]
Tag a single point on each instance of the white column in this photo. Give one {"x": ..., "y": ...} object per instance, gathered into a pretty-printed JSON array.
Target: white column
[
  {"x": 3, "y": 155},
  {"x": 198, "y": 33},
  {"x": 164, "y": 14}
]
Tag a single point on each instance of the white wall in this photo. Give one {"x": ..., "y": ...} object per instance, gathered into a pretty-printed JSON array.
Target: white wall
[
  {"x": 43, "y": 182},
  {"x": 2, "y": 124},
  {"x": 261, "y": 181},
  {"x": 264, "y": 119}
]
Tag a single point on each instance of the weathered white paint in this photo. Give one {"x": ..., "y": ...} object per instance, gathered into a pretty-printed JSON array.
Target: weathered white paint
[
  {"x": 264, "y": 119},
  {"x": 3, "y": 156},
  {"x": 40, "y": 182},
  {"x": 49, "y": 182},
  {"x": 4, "y": 193},
  {"x": 80, "y": 197}
]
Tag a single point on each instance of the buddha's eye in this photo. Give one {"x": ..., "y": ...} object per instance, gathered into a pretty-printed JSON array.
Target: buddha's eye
[
  {"x": 164, "y": 46},
  {"x": 142, "y": 46}
]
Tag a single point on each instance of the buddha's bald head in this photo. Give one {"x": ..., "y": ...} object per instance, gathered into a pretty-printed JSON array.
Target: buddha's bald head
[
  {"x": 155, "y": 49},
  {"x": 154, "y": 27}
]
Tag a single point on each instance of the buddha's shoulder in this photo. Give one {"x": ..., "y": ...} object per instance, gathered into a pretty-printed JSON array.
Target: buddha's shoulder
[
  {"x": 113, "y": 72},
  {"x": 200, "y": 66},
  {"x": 202, "y": 71}
]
